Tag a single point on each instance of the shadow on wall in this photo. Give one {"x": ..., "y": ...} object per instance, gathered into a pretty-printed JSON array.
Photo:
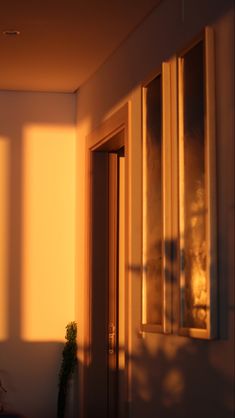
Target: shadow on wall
[
  {"x": 30, "y": 375},
  {"x": 174, "y": 376},
  {"x": 33, "y": 313},
  {"x": 171, "y": 377},
  {"x": 179, "y": 381}
]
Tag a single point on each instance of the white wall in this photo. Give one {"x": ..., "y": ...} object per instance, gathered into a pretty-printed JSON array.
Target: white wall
[
  {"x": 37, "y": 245},
  {"x": 171, "y": 376}
]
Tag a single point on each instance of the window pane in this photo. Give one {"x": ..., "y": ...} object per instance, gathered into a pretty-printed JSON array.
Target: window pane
[
  {"x": 153, "y": 204},
  {"x": 195, "y": 297}
]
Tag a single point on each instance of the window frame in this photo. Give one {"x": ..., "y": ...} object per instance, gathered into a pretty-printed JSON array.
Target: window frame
[
  {"x": 210, "y": 331},
  {"x": 172, "y": 128},
  {"x": 166, "y": 326}
]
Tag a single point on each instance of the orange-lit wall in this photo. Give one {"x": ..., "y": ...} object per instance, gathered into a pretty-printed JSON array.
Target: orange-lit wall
[
  {"x": 42, "y": 205},
  {"x": 37, "y": 245},
  {"x": 171, "y": 376}
]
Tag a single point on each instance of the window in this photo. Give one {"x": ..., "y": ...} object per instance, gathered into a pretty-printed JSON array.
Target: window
[
  {"x": 179, "y": 223},
  {"x": 153, "y": 207}
]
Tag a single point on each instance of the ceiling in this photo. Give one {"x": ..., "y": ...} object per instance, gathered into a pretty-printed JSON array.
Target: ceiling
[{"x": 62, "y": 42}]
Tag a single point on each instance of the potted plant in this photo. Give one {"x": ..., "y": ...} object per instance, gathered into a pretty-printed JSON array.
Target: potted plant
[{"x": 68, "y": 365}]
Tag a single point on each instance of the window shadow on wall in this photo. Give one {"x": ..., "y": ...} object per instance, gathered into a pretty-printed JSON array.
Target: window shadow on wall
[
  {"x": 179, "y": 379},
  {"x": 175, "y": 376}
]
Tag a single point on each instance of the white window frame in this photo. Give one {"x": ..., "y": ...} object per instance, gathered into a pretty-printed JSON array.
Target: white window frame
[
  {"x": 210, "y": 188},
  {"x": 172, "y": 136}
]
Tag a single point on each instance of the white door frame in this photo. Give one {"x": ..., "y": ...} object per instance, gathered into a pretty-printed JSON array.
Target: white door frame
[{"x": 111, "y": 135}]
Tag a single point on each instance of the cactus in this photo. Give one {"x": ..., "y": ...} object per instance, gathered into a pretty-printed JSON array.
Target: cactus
[
  {"x": 68, "y": 365},
  {"x": 3, "y": 390}
]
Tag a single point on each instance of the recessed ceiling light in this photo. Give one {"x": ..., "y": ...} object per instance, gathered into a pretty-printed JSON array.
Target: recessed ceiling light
[{"x": 11, "y": 33}]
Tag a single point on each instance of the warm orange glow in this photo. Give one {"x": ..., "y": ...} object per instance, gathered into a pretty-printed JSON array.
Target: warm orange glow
[
  {"x": 81, "y": 283},
  {"x": 48, "y": 245},
  {"x": 4, "y": 210},
  {"x": 198, "y": 259}
]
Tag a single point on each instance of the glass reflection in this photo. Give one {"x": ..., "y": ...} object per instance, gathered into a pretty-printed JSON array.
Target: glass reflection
[{"x": 195, "y": 298}]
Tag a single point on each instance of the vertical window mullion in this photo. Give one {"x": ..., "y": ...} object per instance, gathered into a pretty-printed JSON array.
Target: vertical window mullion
[
  {"x": 166, "y": 197},
  {"x": 144, "y": 208},
  {"x": 175, "y": 283},
  {"x": 210, "y": 157},
  {"x": 181, "y": 253}
]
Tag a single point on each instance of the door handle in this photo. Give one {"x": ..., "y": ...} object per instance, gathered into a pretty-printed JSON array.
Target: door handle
[{"x": 111, "y": 338}]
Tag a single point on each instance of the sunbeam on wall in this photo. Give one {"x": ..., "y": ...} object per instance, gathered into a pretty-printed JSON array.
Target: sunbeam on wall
[
  {"x": 4, "y": 190},
  {"x": 48, "y": 272}
]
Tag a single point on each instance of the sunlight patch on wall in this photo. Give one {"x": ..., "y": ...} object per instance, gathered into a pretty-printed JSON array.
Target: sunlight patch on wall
[
  {"x": 48, "y": 231},
  {"x": 83, "y": 130},
  {"x": 4, "y": 213}
]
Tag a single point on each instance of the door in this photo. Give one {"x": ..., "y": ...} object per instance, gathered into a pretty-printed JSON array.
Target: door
[
  {"x": 116, "y": 360},
  {"x": 113, "y": 288},
  {"x": 105, "y": 375}
]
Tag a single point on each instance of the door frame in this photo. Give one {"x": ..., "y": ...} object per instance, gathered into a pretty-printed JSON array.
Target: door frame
[{"x": 110, "y": 135}]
